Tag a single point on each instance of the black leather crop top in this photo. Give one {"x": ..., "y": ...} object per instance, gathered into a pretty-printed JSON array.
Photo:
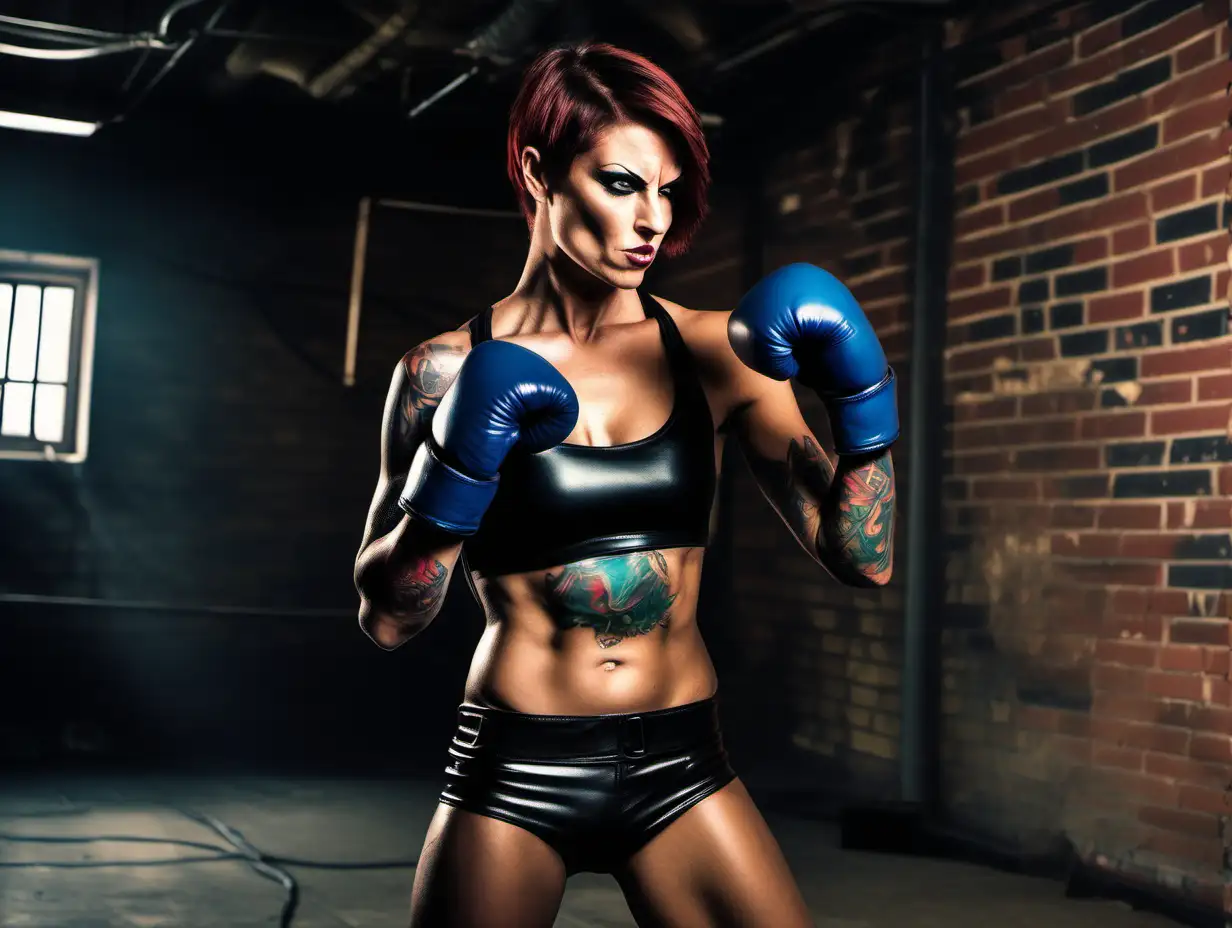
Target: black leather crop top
[{"x": 574, "y": 502}]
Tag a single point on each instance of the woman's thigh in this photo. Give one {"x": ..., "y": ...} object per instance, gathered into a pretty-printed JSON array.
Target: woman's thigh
[
  {"x": 480, "y": 872},
  {"x": 717, "y": 865}
]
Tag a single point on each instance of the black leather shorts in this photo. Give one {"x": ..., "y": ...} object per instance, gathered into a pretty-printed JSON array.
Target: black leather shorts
[{"x": 595, "y": 788}]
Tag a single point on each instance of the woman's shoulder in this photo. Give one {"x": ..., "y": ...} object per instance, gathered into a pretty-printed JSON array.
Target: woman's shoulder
[
  {"x": 704, "y": 330},
  {"x": 440, "y": 355}
]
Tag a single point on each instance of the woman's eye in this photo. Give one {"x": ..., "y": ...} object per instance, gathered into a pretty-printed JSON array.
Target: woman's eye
[
  {"x": 620, "y": 186},
  {"x": 667, "y": 192}
]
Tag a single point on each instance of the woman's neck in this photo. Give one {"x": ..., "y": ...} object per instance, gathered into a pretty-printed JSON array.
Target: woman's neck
[{"x": 555, "y": 295}]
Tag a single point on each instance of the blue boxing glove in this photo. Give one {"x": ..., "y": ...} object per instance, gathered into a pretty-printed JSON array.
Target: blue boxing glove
[
  {"x": 800, "y": 321},
  {"x": 504, "y": 396}
]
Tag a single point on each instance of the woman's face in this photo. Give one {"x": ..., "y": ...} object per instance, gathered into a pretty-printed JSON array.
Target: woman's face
[{"x": 612, "y": 210}]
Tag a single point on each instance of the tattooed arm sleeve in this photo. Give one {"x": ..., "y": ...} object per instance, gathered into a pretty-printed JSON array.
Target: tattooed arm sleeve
[
  {"x": 403, "y": 567},
  {"x": 843, "y": 515}
]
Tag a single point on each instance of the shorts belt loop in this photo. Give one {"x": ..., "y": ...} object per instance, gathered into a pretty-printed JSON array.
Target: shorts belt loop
[
  {"x": 465, "y": 715},
  {"x": 634, "y": 737}
]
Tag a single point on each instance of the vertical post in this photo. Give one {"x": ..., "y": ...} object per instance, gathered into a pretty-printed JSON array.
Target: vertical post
[
  {"x": 920, "y": 747},
  {"x": 357, "y": 290}
]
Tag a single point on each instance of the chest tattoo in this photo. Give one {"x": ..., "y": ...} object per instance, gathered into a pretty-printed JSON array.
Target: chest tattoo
[{"x": 619, "y": 597}]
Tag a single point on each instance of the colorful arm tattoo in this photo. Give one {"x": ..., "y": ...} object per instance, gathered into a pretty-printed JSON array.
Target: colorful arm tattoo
[
  {"x": 619, "y": 597},
  {"x": 856, "y": 540},
  {"x": 844, "y": 518},
  {"x": 417, "y": 589}
]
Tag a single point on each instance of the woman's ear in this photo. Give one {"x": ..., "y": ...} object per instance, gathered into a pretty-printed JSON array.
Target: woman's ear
[{"x": 532, "y": 174}]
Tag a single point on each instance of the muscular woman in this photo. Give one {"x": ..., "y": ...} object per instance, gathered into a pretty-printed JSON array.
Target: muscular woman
[{"x": 561, "y": 450}]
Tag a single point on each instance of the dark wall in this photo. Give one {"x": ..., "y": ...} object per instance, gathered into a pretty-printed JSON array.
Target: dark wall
[{"x": 228, "y": 467}]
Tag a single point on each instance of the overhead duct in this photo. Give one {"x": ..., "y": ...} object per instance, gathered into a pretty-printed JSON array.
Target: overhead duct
[{"x": 504, "y": 39}]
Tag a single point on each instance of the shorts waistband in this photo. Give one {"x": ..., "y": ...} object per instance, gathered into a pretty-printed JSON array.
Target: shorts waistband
[{"x": 561, "y": 737}]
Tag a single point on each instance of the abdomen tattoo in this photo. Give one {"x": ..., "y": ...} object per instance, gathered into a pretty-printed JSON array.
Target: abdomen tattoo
[{"x": 619, "y": 597}]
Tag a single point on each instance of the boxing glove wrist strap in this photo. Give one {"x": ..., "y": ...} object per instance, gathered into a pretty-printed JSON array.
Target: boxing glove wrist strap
[
  {"x": 444, "y": 496},
  {"x": 866, "y": 421}
]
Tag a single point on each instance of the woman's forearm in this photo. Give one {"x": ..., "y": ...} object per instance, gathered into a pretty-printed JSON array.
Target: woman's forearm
[
  {"x": 856, "y": 537},
  {"x": 402, "y": 578}
]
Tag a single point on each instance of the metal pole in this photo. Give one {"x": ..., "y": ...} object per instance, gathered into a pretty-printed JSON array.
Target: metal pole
[
  {"x": 357, "y": 290},
  {"x": 919, "y": 750}
]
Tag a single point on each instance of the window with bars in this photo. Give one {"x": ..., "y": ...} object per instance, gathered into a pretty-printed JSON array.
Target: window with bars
[{"x": 47, "y": 305}]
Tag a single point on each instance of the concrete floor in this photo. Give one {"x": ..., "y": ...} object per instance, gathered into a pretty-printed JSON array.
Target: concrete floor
[{"x": 351, "y": 820}]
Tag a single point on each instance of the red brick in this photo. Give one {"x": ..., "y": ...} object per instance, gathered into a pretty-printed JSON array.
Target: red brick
[
  {"x": 1043, "y": 62},
  {"x": 1216, "y": 179},
  {"x": 1130, "y": 516},
  {"x": 1035, "y": 204},
  {"x": 1123, "y": 758},
  {"x": 1205, "y": 252},
  {"x": 982, "y": 302},
  {"x": 1091, "y": 249},
  {"x": 980, "y": 358},
  {"x": 1173, "y": 193},
  {"x": 1152, "y": 266},
  {"x": 1011, "y": 239},
  {"x": 1195, "y": 53},
  {"x": 1009, "y": 488},
  {"x": 1174, "y": 686},
  {"x": 1215, "y": 387},
  {"x": 1100, "y": 216},
  {"x": 1203, "y": 116},
  {"x": 1111, "y": 705},
  {"x": 1135, "y": 238},
  {"x": 1216, "y": 749},
  {"x": 1038, "y": 349},
  {"x": 1115, "y": 308},
  {"x": 1126, "y": 574},
  {"x": 1186, "y": 361},
  {"x": 1030, "y": 93},
  {"x": 1200, "y": 513},
  {"x": 1217, "y": 661},
  {"x": 1199, "y": 799},
  {"x": 994, "y": 163},
  {"x": 1100, "y": 37},
  {"x": 1071, "y": 517},
  {"x": 1001, "y": 408},
  {"x": 967, "y": 277},
  {"x": 1114, "y": 425},
  {"x": 1002, "y": 131},
  {"x": 1086, "y": 545},
  {"x": 1060, "y": 403},
  {"x": 1165, "y": 392},
  {"x": 1186, "y": 769},
  {"x": 988, "y": 218},
  {"x": 1185, "y": 156},
  {"x": 1128, "y": 653},
  {"x": 1206, "y": 853},
  {"x": 988, "y": 462},
  {"x": 1193, "y": 419},
  {"x": 1180, "y": 659},
  {"x": 887, "y": 285},
  {"x": 1063, "y": 458},
  {"x": 1199, "y": 631},
  {"x": 1198, "y": 824},
  {"x": 1037, "y": 718},
  {"x": 1149, "y": 545},
  {"x": 1201, "y": 82},
  {"x": 1213, "y": 719}
]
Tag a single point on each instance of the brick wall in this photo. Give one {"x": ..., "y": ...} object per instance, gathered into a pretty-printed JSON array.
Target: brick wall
[
  {"x": 1086, "y": 647},
  {"x": 1087, "y": 373}
]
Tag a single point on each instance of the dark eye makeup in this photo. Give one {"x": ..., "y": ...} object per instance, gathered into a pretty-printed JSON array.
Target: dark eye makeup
[{"x": 623, "y": 183}]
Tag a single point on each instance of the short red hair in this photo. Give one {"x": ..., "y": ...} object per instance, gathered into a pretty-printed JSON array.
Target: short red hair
[{"x": 571, "y": 94}]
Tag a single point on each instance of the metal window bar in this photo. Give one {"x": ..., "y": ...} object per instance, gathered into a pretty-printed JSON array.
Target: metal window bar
[{"x": 51, "y": 274}]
